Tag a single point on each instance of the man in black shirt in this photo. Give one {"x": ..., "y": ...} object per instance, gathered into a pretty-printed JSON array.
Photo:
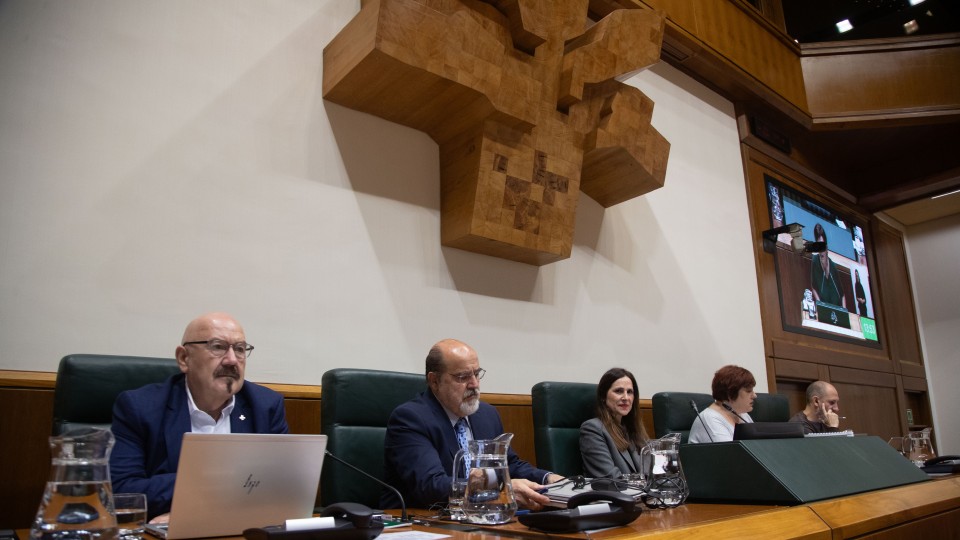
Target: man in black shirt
[{"x": 823, "y": 404}]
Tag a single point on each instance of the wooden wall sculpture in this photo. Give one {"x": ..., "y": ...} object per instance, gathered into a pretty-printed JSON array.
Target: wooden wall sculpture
[{"x": 523, "y": 101}]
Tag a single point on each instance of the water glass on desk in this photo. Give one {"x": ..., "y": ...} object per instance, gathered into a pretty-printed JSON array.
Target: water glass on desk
[
  {"x": 455, "y": 506},
  {"x": 131, "y": 509},
  {"x": 919, "y": 448}
]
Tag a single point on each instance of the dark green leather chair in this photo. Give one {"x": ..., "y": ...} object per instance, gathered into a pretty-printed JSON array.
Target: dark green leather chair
[
  {"x": 558, "y": 410},
  {"x": 88, "y": 384},
  {"x": 672, "y": 412},
  {"x": 771, "y": 408},
  {"x": 355, "y": 405}
]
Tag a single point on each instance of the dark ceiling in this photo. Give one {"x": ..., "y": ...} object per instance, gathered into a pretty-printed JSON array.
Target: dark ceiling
[
  {"x": 881, "y": 166},
  {"x": 885, "y": 167},
  {"x": 816, "y": 20}
]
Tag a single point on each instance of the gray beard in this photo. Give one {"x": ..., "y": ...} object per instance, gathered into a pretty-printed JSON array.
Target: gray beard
[{"x": 469, "y": 407}]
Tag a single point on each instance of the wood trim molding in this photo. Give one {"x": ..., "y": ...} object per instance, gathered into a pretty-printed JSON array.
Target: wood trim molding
[
  {"x": 27, "y": 379},
  {"x": 807, "y": 353},
  {"x": 862, "y": 377},
  {"x": 851, "y": 517},
  {"x": 48, "y": 380},
  {"x": 879, "y": 45}
]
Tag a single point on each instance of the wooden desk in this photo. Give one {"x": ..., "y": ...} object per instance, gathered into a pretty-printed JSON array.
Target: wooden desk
[
  {"x": 925, "y": 510},
  {"x": 918, "y": 511},
  {"x": 700, "y": 520}
]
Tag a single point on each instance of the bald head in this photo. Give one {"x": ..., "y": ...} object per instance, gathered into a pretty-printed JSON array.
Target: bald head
[
  {"x": 820, "y": 389},
  {"x": 443, "y": 350},
  {"x": 450, "y": 367},
  {"x": 823, "y": 403},
  {"x": 213, "y": 363},
  {"x": 202, "y": 325}
]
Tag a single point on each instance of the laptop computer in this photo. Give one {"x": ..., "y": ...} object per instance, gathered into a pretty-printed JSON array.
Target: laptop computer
[
  {"x": 767, "y": 430},
  {"x": 228, "y": 483}
]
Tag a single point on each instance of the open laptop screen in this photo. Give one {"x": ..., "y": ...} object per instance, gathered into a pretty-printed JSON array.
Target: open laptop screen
[
  {"x": 767, "y": 430},
  {"x": 228, "y": 483}
]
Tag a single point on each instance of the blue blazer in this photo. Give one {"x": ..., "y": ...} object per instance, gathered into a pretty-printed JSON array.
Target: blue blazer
[
  {"x": 420, "y": 445},
  {"x": 148, "y": 427}
]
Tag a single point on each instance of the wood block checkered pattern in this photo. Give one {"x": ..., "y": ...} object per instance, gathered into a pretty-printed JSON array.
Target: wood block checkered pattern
[{"x": 522, "y": 99}]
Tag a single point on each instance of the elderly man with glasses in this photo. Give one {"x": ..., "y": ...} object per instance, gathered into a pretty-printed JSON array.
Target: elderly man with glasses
[
  {"x": 424, "y": 434},
  {"x": 208, "y": 396}
]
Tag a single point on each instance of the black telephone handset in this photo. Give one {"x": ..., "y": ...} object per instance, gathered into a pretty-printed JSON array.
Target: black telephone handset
[
  {"x": 942, "y": 460},
  {"x": 942, "y": 465},
  {"x": 620, "y": 500},
  {"x": 624, "y": 509},
  {"x": 357, "y": 514},
  {"x": 352, "y": 521}
]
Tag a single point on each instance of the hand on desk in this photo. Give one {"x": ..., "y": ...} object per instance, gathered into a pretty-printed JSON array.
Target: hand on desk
[
  {"x": 162, "y": 518},
  {"x": 524, "y": 491}
]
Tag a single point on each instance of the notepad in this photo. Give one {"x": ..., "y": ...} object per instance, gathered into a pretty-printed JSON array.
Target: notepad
[{"x": 846, "y": 433}]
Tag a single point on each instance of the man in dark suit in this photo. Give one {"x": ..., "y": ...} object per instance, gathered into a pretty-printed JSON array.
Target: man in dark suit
[
  {"x": 422, "y": 439},
  {"x": 208, "y": 396}
]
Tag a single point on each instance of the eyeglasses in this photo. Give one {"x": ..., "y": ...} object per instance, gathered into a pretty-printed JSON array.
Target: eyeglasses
[
  {"x": 465, "y": 377},
  {"x": 218, "y": 347}
]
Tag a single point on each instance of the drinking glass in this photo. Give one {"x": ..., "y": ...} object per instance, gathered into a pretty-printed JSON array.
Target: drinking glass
[
  {"x": 897, "y": 444},
  {"x": 919, "y": 447},
  {"x": 455, "y": 506},
  {"x": 131, "y": 514}
]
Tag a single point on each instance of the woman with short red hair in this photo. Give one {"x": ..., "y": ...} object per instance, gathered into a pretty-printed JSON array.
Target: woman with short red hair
[{"x": 733, "y": 400}]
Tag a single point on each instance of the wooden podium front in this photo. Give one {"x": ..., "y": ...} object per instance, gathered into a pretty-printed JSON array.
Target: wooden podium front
[{"x": 793, "y": 471}]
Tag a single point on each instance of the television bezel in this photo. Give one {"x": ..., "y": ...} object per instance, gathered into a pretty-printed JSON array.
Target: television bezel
[{"x": 769, "y": 180}]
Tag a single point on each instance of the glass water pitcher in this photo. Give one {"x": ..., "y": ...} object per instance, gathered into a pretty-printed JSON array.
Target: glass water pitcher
[
  {"x": 483, "y": 469},
  {"x": 77, "y": 503}
]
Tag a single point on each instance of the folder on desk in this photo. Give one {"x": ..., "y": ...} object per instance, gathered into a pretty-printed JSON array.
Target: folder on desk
[{"x": 561, "y": 492}]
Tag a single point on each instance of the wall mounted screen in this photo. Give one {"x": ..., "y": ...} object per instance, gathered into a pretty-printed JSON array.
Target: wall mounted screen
[{"x": 826, "y": 294}]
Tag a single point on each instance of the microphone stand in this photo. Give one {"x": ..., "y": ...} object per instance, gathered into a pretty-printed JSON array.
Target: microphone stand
[
  {"x": 704, "y": 424},
  {"x": 403, "y": 507}
]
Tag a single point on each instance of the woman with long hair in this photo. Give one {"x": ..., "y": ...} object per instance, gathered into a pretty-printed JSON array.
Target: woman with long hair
[{"x": 610, "y": 443}]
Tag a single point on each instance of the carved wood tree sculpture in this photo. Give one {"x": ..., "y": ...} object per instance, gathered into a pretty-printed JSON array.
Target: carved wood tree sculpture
[{"x": 521, "y": 98}]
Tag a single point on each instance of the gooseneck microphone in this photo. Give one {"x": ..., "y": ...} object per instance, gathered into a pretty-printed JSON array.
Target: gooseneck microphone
[
  {"x": 727, "y": 406},
  {"x": 403, "y": 506},
  {"x": 696, "y": 410}
]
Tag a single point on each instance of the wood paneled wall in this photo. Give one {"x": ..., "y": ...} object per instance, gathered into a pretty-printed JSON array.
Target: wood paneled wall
[
  {"x": 876, "y": 385},
  {"x": 729, "y": 45},
  {"x": 879, "y": 80},
  {"x": 26, "y": 421}
]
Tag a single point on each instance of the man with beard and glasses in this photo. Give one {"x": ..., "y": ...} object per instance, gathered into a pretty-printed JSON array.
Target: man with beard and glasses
[
  {"x": 208, "y": 396},
  {"x": 423, "y": 434}
]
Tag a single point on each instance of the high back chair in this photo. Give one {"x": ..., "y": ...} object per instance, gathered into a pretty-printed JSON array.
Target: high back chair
[
  {"x": 355, "y": 405},
  {"x": 672, "y": 412},
  {"x": 88, "y": 384},
  {"x": 558, "y": 410}
]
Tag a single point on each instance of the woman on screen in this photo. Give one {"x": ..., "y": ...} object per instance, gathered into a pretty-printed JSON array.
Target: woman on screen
[
  {"x": 823, "y": 274},
  {"x": 860, "y": 294},
  {"x": 733, "y": 400},
  {"x": 610, "y": 442}
]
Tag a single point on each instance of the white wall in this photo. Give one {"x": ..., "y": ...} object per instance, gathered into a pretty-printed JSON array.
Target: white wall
[
  {"x": 934, "y": 255},
  {"x": 162, "y": 159}
]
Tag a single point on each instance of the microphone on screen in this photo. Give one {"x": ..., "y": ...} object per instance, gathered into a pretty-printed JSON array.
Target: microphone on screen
[
  {"x": 403, "y": 506},
  {"x": 696, "y": 410}
]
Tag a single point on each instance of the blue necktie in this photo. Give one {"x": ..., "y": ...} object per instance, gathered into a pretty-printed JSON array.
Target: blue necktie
[{"x": 461, "y": 428}]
